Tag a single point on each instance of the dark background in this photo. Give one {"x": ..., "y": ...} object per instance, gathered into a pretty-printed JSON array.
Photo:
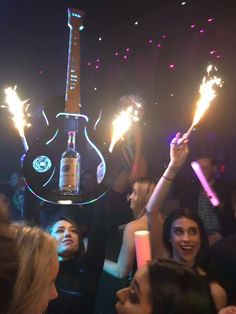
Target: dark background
[{"x": 33, "y": 55}]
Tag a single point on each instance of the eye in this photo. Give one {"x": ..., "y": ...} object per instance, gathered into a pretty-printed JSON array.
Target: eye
[
  {"x": 73, "y": 230},
  {"x": 60, "y": 230},
  {"x": 193, "y": 231},
  {"x": 178, "y": 231},
  {"x": 133, "y": 297}
]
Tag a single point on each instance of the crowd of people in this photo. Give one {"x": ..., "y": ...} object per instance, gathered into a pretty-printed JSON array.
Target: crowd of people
[{"x": 56, "y": 266}]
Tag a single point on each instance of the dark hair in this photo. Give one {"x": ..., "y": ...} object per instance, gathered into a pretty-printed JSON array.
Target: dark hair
[
  {"x": 55, "y": 219},
  {"x": 192, "y": 215},
  {"x": 176, "y": 289}
]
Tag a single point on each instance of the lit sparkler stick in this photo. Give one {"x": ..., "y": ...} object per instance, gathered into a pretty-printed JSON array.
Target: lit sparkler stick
[
  {"x": 210, "y": 193},
  {"x": 124, "y": 121},
  {"x": 207, "y": 94},
  {"x": 18, "y": 109}
]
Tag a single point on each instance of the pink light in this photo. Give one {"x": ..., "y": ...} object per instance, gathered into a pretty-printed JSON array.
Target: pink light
[
  {"x": 127, "y": 49},
  {"x": 209, "y": 192},
  {"x": 193, "y": 26},
  {"x": 210, "y": 19},
  {"x": 116, "y": 53},
  {"x": 159, "y": 45},
  {"x": 164, "y": 36},
  {"x": 97, "y": 66},
  {"x": 219, "y": 56},
  {"x": 212, "y": 52},
  {"x": 171, "y": 66},
  {"x": 89, "y": 63},
  {"x": 125, "y": 57},
  {"x": 142, "y": 247},
  {"x": 150, "y": 41},
  {"x": 202, "y": 30},
  {"x": 98, "y": 60}
]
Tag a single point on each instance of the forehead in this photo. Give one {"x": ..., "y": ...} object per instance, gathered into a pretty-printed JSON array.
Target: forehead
[
  {"x": 205, "y": 162},
  {"x": 184, "y": 223},
  {"x": 62, "y": 223}
]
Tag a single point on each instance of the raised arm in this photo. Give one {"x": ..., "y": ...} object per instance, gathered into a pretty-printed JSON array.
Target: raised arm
[
  {"x": 124, "y": 264},
  {"x": 178, "y": 154}
]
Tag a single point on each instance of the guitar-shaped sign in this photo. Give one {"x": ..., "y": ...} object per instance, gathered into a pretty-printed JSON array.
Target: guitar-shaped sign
[{"x": 67, "y": 168}]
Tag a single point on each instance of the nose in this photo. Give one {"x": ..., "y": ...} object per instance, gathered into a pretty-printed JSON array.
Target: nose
[
  {"x": 53, "y": 293},
  {"x": 67, "y": 233},
  {"x": 121, "y": 295},
  {"x": 185, "y": 236},
  {"x": 131, "y": 196}
]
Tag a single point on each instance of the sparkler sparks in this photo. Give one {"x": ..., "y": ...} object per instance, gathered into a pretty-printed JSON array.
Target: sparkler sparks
[
  {"x": 207, "y": 94},
  {"x": 125, "y": 119},
  {"x": 18, "y": 110}
]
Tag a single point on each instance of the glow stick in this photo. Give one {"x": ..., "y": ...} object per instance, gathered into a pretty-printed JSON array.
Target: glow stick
[
  {"x": 142, "y": 246},
  {"x": 210, "y": 193}
]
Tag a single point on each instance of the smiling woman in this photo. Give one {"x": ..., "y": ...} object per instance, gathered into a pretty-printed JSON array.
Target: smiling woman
[{"x": 182, "y": 235}]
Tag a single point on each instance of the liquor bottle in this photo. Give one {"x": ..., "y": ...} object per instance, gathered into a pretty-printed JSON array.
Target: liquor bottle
[{"x": 69, "y": 178}]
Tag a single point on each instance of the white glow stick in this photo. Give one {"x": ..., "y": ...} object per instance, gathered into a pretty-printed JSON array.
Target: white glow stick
[
  {"x": 142, "y": 246},
  {"x": 210, "y": 193}
]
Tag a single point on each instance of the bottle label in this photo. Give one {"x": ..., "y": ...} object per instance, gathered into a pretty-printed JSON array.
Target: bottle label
[{"x": 69, "y": 174}]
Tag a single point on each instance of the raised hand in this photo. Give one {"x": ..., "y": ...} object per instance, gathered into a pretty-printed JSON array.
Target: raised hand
[{"x": 178, "y": 150}]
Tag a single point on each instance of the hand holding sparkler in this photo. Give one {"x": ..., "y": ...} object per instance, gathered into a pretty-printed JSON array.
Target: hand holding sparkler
[
  {"x": 18, "y": 110},
  {"x": 207, "y": 94}
]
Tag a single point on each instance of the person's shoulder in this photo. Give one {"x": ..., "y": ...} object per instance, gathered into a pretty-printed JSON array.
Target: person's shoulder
[{"x": 137, "y": 225}]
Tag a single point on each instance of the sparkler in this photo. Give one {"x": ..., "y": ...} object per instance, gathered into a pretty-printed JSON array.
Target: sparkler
[
  {"x": 207, "y": 94},
  {"x": 18, "y": 110},
  {"x": 125, "y": 119}
]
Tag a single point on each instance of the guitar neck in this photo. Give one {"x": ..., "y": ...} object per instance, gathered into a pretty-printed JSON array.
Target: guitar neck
[{"x": 72, "y": 97}]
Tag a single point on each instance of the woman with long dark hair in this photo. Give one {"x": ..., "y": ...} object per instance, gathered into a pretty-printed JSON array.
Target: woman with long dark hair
[{"x": 180, "y": 235}]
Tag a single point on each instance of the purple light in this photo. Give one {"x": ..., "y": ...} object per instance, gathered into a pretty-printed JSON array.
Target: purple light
[
  {"x": 116, "y": 53},
  {"x": 98, "y": 60},
  {"x": 97, "y": 66},
  {"x": 171, "y": 66},
  {"x": 164, "y": 36},
  {"x": 219, "y": 56},
  {"x": 125, "y": 57},
  {"x": 150, "y": 41},
  {"x": 158, "y": 45},
  {"x": 89, "y": 63},
  {"x": 212, "y": 52},
  {"x": 193, "y": 26},
  {"x": 210, "y": 19},
  {"x": 127, "y": 49},
  {"x": 202, "y": 30}
]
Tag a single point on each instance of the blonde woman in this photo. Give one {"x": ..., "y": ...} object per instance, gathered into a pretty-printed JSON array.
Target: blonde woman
[
  {"x": 37, "y": 271},
  {"x": 8, "y": 260},
  {"x": 141, "y": 192}
]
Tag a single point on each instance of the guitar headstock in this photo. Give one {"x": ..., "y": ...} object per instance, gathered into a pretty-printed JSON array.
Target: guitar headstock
[
  {"x": 75, "y": 18},
  {"x": 73, "y": 65}
]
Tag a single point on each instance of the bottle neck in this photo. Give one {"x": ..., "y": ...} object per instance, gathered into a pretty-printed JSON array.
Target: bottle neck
[{"x": 71, "y": 140}]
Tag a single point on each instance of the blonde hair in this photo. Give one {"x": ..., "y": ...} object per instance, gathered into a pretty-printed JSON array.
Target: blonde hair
[
  {"x": 145, "y": 187},
  {"x": 36, "y": 250},
  {"x": 8, "y": 260}
]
